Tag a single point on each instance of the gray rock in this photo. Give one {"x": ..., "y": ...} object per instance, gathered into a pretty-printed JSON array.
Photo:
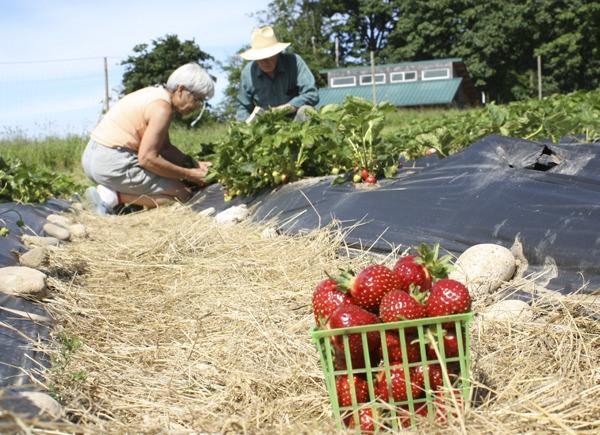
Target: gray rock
[
  {"x": 32, "y": 241},
  {"x": 57, "y": 231},
  {"x": 30, "y": 404},
  {"x": 78, "y": 207},
  {"x": 34, "y": 258},
  {"x": 78, "y": 231},
  {"x": 59, "y": 219},
  {"x": 23, "y": 282},
  {"x": 511, "y": 309},
  {"x": 232, "y": 215},
  {"x": 484, "y": 268}
]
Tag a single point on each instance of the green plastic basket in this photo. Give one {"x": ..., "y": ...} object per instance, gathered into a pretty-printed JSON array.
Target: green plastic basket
[{"x": 426, "y": 335}]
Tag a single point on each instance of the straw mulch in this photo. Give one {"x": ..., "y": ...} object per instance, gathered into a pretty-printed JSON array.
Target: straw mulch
[{"x": 186, "y": 326}]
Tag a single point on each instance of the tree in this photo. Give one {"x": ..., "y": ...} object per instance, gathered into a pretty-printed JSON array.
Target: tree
[
  {"x": 499, "y": 42},
  {"x": 233, "y": 68},
  {"x": 153, "y": 66},
  {"x": 361, "y": 26},
  {"x": 304, "y": 24},
  {"x": 570, "y": 50}
]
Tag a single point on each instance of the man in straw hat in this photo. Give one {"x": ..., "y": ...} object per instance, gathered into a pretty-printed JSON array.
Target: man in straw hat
[{"x": 274, "y": 80}]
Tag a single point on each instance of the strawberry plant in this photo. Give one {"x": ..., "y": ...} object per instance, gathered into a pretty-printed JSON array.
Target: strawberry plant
[
  {"x": 24, "y": 184},
  {"x": 4, "y": 231},
  {"x": 274, "y": 149}
]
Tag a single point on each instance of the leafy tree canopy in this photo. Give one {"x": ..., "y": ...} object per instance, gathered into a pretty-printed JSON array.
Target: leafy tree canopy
[
  {"x": 498, "y": 41},
  {"x": 153, "y": 65}
]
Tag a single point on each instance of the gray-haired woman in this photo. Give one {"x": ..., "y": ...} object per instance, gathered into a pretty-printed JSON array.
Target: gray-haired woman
[{"x": 130, "y": 156}]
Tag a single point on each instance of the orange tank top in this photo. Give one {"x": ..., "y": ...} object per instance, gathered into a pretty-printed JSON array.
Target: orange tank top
[{"x": 125, "y": 123}]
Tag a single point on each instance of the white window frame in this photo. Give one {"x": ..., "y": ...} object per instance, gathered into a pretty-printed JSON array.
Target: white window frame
[
  {"x": 403, "y": 75},
  {"x": 333, "y": 79},
  {"x": 446, "y": 70},
  {"x": 379, "y": 79}
]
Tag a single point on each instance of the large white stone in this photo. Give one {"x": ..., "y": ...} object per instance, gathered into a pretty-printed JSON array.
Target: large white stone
[
  {"x": 511, "y": 309},
  {"x": 78, "y": 231},
  {"x": 232, "y": 214},
  {"x": 59, "y": 220},
  {"x": 34, "y": 258},
  {"x": 57, "y": 231},
  {"x": 484, "y": 268},
  {"x": 23, "y": 281},
  {"x": 31, "y": 241}
]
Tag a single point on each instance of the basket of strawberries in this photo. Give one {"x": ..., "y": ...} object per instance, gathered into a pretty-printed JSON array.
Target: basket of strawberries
[{"x": 394, "y": 343}]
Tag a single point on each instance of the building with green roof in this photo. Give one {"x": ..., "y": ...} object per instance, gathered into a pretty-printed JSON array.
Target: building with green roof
[{"x": 439, "y": 83}]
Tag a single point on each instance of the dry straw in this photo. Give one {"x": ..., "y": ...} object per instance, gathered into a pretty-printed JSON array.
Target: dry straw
[{"x": 187, "y": 326}]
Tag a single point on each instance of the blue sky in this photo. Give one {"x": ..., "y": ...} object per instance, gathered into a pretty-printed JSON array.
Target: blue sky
[{"x": 51, "y": 52}]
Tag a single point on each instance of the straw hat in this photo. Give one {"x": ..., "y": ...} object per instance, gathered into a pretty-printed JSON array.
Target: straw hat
[{"x": 264, "y": 44}]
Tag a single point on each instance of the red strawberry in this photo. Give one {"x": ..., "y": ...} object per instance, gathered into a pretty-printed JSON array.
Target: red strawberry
[
  {"x": 326, "y": 298},
  {"x": 394, "y": 348},
  {"x": 399, "y": 305},
  {"x": 404, "y": 416},
  {"x": 348, "y": 315},
  {"x": 422, "y": 268},
  {"x": 343, "y": 387},
  {"x": 370, "y": 285},
  {"x": 357, "y": 362},
  {"x": 433, "y": 373},
  {"x": 448, "y": 404},
  {"x": 450, "y": 343},
  {"x": 447, "y": 297},
  {"x": 398, "y": 385},
  {"x": 412, "y": 273},
  {"x": 366, "y": 420}
]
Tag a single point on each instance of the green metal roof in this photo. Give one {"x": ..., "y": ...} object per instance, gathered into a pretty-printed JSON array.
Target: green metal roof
[
  {"x": 387, "y": 65},
  {"x": 419, "y": 93}
]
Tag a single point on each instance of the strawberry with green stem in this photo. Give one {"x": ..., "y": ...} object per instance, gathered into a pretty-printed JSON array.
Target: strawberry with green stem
[
  {"x": 449, "y": 341},
  {"x": 398, "y": 305},
  {"x": 369, "y": 286},
  {"x": 423, "y": 268},
  {"x": 326, "y": 298}
]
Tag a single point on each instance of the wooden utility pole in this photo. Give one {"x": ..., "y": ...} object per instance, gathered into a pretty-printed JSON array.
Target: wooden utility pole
[
  {"x": 539, "y": 73},
  {"x": 106, "y": 97},
  {"x": 373, "y": 77}
]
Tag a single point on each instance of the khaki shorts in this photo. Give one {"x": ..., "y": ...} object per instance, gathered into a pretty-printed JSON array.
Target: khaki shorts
[{"x": 119, "y": 170}]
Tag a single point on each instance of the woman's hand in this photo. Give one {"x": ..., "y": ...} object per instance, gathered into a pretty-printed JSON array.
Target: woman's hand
[{"x": 197, "y": 174}]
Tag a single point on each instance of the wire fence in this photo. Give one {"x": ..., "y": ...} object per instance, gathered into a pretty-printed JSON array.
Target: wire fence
[{"x": 56, "y": 98}]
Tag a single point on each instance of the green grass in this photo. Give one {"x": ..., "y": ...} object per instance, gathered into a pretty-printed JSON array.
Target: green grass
[{"x": 63, "y": 155}]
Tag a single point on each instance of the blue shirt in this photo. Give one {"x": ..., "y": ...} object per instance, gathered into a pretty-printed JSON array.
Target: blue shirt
[{"x": 293, "y": 83}]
